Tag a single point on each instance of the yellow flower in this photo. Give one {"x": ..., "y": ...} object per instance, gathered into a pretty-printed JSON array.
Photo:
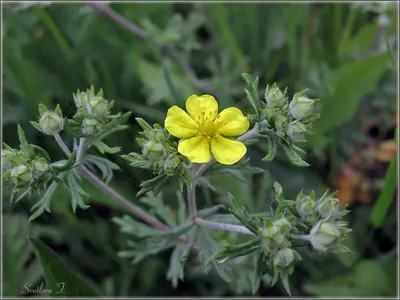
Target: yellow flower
[{"x": 206, "y": 133}]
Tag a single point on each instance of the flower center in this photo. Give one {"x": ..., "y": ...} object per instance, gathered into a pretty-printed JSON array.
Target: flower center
[{"x": 208, "y": 129}]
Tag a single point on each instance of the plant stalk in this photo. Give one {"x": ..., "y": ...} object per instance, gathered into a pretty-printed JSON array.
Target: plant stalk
[
  {"x": 135, "y": 210},
  {"x": 223, "y": 226}
]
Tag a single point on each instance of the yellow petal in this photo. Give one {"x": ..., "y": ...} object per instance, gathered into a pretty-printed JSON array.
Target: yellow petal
[
  {"x": 226, "y": 151},
  {"x": 232, "y": 122},
  {"x": 179, "y": 124},
  {"x": 196, "y": 149},
  {"x": 202, "y": 108}
]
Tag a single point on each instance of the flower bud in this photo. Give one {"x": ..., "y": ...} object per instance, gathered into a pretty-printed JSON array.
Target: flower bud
[
  {"x": 39, "y": 167},
  {"x": 99, "y": 107},
  {"x": 328, "y": 207},
  {"x": 6, "y": 165},
  {"x": 153, "y": 150},
  {"x": 297, "y": 131},
  {"x": 324, "y": 236},
  {"x": 284, "y": 257},
  {"x": 171, "y": 164},
  {"x": 51, "y": 123},
  {"x": 274, "y": 96},
  {"x": 81, "y": 99},
  {"x": 277, "y": 232},
  {"x": 281, "y": 125},
  {"x": 21, "y": 175},
  {"x": 305, "y": 207},
  {"x": 90, "y": 126},
  {"x": 301, "y": 107}
]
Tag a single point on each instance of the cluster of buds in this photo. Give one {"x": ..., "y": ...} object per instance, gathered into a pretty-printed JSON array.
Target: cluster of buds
[
  {"x": 290, "y": 120},
  {"x": 22, "y": 168},
  {"x": 50, "y": 122},
  {"x": 29, "y": 168},
  {"x": 275, "y": 236},
  {"x": 93, "y": 111},
  {"x": 323, "y": 216},
  {"x": 159, "y": 152}
]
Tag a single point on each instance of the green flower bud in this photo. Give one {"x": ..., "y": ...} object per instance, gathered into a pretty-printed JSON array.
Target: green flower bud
[
  {"x": 274, "y": 96},
  {"x": 21, "y": 175},
  {"x": 81, "y": 99},
  {"x": 51, "y": 123},
  {"x": 328, "y": 207},
  {"x": 39, "y": 167},
  {"x": 6, "y": 165},
  {"x": 284, "y": 257},
  {"x": 99, "y": 107},
  {"x": 153, "y": 150},
  {"x": 281, "y": 125},
  {"x": 301, "y": 107},
  {"x": 305, "y": 207},
  {"x": 171, "y": 164},
  {"x": 90, "y": 126},
  {"x": 324, "y": 236},
  {"x": 276, "y": 234},
  {"x": 297, "y": 131}
]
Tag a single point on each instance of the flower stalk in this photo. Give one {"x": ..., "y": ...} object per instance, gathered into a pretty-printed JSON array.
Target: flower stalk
[{"x": 223, "y": 226}]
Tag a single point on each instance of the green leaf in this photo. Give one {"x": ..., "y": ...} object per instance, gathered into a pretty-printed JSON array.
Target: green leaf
[
  {"x": 41, "y": 152},
  {"x": 36, "y": 125},
  {"x": 252, "y": 92},
  {"x": 350, "y": 82},
  {"x": 226, "y": 34},
  {"x": 232, "y": 251},
  {"x": 73, "y": 128},
  {"x": 103, "y": 148},
  {"x": 59, "y": 276},
  {"x": 158, "y": 207},
  {"x": 182, "y": 214},
  {"x": 22, "y": 139},
  {"x": 106, "y": 167},
  {"x": 168, "y": 80},
  {"x": 58, "y": 111},
  {"x": 367, "y": 279},
  {"x": 382, "y": 205},
  {"x": 207, "y": 212},
  {"x": 177, "y": 264},
  {"x": 285, "y": 281},
  {"x": 42, "y": 109},
  {"x": 241, "y": 214},
  {"x": 208, "y": 246},
  {"x": 294, "y": 158},
  {"x": 260, "y": 271},
  {"x": 154, "y": 184},
  {"x": 44, "y": 203},
  {"x": 69, "y": 164},
  {"x": 77, "y": 193},
  {"x": 153, "y": 78},
  {"x": 135, "y": 228},
  {"x": 272, "y": 150},
  {"x": 17, "y": 266}
]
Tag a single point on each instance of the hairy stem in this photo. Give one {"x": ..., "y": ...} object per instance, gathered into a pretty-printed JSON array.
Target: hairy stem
[
  {"x": 80, "y": 149},
  {"x": 62, "y": 145},
  {"x": 223, "y": 226},
  {"x": 191, "y": 197},
  {"x": 135, "y": 210}
]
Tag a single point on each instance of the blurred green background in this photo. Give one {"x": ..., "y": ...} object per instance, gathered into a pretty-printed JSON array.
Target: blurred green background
[{"x": 345, "y": 54}]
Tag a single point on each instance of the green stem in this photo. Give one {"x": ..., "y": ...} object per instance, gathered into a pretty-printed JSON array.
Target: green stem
[
  {"x": 223, "y": 226},
  {"x": 80, "y": 149}
]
